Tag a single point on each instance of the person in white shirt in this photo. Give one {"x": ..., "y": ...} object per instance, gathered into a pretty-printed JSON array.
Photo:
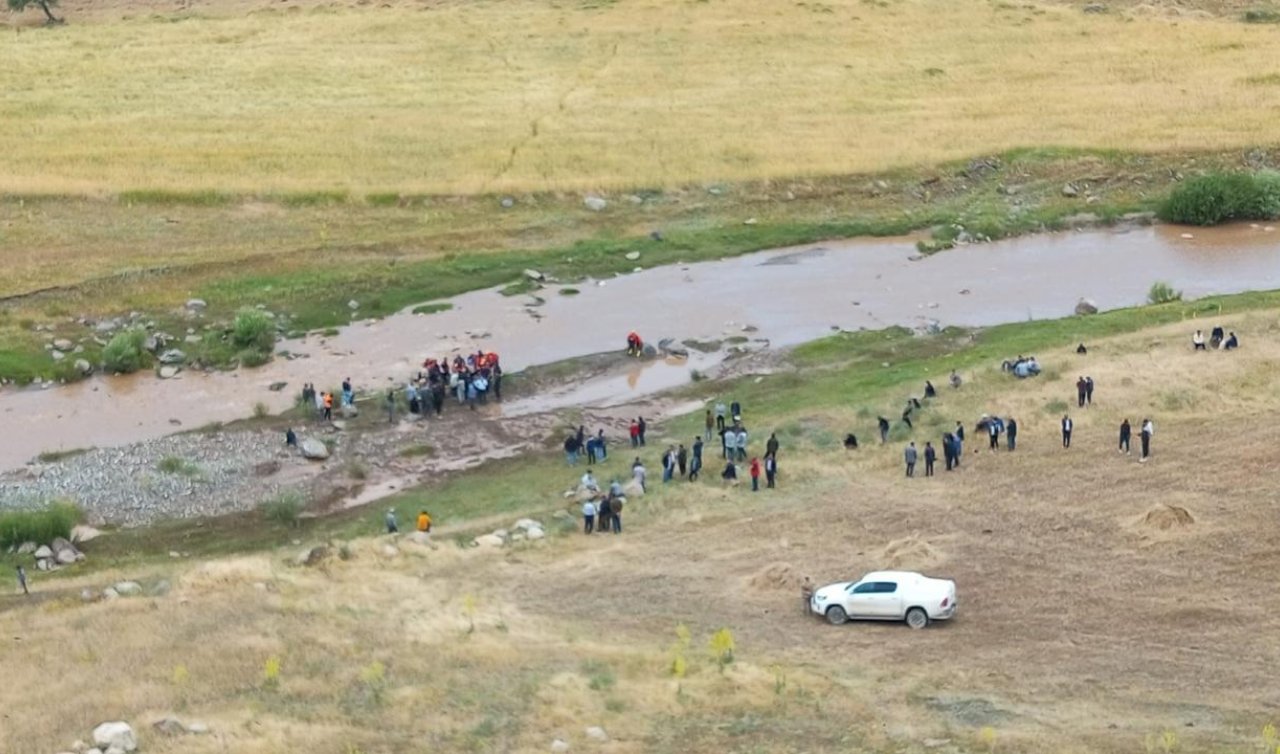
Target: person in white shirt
[
  {"x": 588, "y": 517},
  {"x": 1197, "y": 341},
  {"x": 589, "y": 482},
  {"x": 1148, "y": 429}
]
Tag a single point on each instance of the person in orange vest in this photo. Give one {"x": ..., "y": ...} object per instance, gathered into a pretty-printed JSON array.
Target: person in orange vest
[
  {"x": 424, "y": 521},
  {"x": 328, "y": 406}
]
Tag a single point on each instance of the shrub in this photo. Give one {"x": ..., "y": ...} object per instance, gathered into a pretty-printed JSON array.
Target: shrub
[
  {"x": 41, "y": 525},
  {"x": 253, "y": 330},
  {"x": 284, "y": 508},
  {"x": 124, "y": 353},
  {"x": 252, "y": 358},
  {"x": 261, "y": 411},
  {"x": 1261, "y": 16},
  {"x": 1223, "y": 197},
  {"x": 175, "y": 465},
  {"x": 1162, "y": 293}
]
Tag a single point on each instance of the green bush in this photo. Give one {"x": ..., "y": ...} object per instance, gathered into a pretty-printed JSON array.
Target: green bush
[
  {"x": 41, "y": 526},
  {"x": 124, "y": 353},
  {"x": 1261, "y": 16},
  {"x": 1162, "y": 293},
  {"x": 1223, "y": 197},
  {"x": 253, "y": 329},
  {"x": 284, "y": 508},
  {"x": 178, "y": 466}
]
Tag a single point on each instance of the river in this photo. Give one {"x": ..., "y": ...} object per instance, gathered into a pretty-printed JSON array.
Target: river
[{"x": 788, "y": 296}]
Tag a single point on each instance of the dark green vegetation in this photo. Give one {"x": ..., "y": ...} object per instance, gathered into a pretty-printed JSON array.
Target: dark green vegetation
[
  {"x": 41, "y": 525},
  {"x": 1217, "y": 198}
]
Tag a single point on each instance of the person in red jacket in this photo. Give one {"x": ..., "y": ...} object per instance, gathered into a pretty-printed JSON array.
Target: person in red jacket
[
  {"x": 635, "y": 346},
  {"x": 635, "y": 434},
  {"x": 755, "y": 474}
]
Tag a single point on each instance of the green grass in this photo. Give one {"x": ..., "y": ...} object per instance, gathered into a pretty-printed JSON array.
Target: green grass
[
  {"x": 1220, "y": 197},
  {"x": 433, "y": 308},
  {"x": 54, "y": 456},
  {"x": 40, "y": 526},
  {"x": 178, "y": 466},
  {"x": 1261, "y": 16}
]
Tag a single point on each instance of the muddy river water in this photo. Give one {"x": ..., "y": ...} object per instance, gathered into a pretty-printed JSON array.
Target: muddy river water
[{"x": 788, "y": 295}]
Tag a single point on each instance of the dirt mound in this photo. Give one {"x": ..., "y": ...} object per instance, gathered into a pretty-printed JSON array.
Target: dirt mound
[
  {"x": 1164, "y": 517},
  {"x": 910, "y": 552},
  {"x": 776, "y": 576}
]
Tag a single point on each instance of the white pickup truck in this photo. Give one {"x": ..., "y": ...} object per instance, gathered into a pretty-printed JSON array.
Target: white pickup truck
[{"x": 887, "y": 595}]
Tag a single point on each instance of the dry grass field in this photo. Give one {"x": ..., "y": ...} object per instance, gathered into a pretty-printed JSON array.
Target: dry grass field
[
  {"x": 498, "y": 96},
  {"x": 1091, "y": 621}
]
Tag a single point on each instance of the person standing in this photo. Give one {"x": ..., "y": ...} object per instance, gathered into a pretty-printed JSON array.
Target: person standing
[
  {"x": 588, "y": 517},
  {"x": 883, "y": 425},
  {"x": 993, "y": 432},
  {"x": 1081, "y": 387},
  {"x": 643, "y": 425},
  {"x": 1088, "y": 391},
  {"x": 742, "y": 443},
  {"x": 710, "y": 424},
  {"x": 1011, "y": 434},
  {"x": 755, "y": 474},
  {"x": 695, "y": 463},
  {"x": 571, "y": 450},
  {"x": 582, "y": 437},
  {"x": 437, "y": 397},
  {"x": 735, "y": 411},
  {"x": 682, "y": 460},
  {"x": 639, "y": 474},
  {"x": 771, "y": 447},
  {"x": 392, "y": 526},
  {"x": 668, "y": 464},
  {"x": 1197, "y": 341},
  {"x": 635, "y": 434},
  {"x": 615, "y": 510},
  {"x": 1067, "y": 426},
  {"x": 22, "y": 581},
  {"x": 290, "y": 438},
  {"x": 328, "y": 406},
  {"x": 949, "y": 450},
  {"x": 930, "y": 455},
  {"x": 909, "y": 455},
  {"x": 391, "y": 406},
  {"x": 720, "y": 411},
  {"x": 1125, "y": 432},
  {"x": 959, "y": 435},
  {"x": 771, "y": 470},
  {"x": 1148, "y": 429},
  {"x": 604, "y": 512},
  {"x": 602, "y": 451},
  {"x": 424, "y": 522}
]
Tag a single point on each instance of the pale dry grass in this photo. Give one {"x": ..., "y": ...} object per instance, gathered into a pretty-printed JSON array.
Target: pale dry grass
[{"x": 520, "y": 96}]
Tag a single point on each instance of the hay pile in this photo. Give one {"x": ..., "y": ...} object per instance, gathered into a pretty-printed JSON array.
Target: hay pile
[
  {"x": 1164, "y": 517},
  {"x": 776, "y": 577},
  {"x": 912, "y": 552}
]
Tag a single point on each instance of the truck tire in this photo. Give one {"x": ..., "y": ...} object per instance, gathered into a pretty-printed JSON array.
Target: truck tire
[
  {"x": 836, "y": 615},
  {"x": 917, "y": 618}
]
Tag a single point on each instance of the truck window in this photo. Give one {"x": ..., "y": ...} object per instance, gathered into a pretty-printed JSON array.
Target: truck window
[
  {"x": 885, "y": 587},
  {"x": 867, "y": 588}
]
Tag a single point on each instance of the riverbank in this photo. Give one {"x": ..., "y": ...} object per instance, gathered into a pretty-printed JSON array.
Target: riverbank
[{"x": 308, "y": 263}]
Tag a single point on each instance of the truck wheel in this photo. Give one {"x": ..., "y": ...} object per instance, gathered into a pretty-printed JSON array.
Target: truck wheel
[
  {"x": 917, "y": 618},
  {"x": 836, "y": 615}
]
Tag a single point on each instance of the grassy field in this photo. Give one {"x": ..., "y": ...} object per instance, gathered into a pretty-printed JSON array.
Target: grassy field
[
  {"x": 1086, "y": 627},
  {"x": 460, "y": 98}
]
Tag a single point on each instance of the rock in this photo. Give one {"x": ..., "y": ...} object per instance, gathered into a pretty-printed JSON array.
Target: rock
[
  {"x": 88, "y": 595},
  {"x": 656, "y": 235},
  {"x": 507, "y": 202},
  {"x": 26, "y": 548},
  {"x": 62, "y": 344},
  {"x": 197, "y": 728},
  {"x": 172, "y": 356},
  {"x": 82, "y": 533},
  {"x": 1095, "y": 8},
  {"x": 192, "y": 339},
  {"x": 160, "y": 589},
  {"x": 151, "y": 344},
  {"x": 314, "y": 450},
  {"x": 1070, "y": 190},
  {"x": 525, "y": 524},
  {"x": 596, "y": 733},
  {"x": 390, "y": 551},
  {"x": 353, "y": 304},
  {"x": 488, "y": 540},
  {"x": 534, "y": 275},
  {"x": 44, "y": 564},
  {"x": 632, "y": 489},
  {"x": 633, "y": 255},
  {"x": 315, "y": 556},
  {"x": 110, "y": 594},
  {"x": 418, "y": 538},
  {"x": 57, "y": 355},
  {"x": 116, "y": 735},
  {"x": 1081, "y": 220},
  {"x": 169, "y": 726},
  {"x": 43, "y": 551},
  {"x": 1084, "y": 306},
  {"x": 84, "y": 367},
  {"x": 649, "y": 352},
  {"x": 276, "y": 387},
  {"x": 935, "y": 743},
  {"x": 750, "y": 221},
  {"x": 594, "y": 203},
  {"x": 196, "y": 305},
  {"x": 535, "y": 533},
  {"x": 349, "y": 412},
  {"x": 168, "y": 372},
  {"x": 1138, "y": 218},
  {"x": 559, "y": 746},
  {"x": 339, "y": 424},
  {"x": 128, "y": 588},
  {"x": 67, "y": 557},
  {"x": 60, "y": 545}
]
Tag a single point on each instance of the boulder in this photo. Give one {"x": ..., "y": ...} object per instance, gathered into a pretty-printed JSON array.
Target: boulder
[
  {"x": 507, "y": 202},
  {"x": 1085, "y": 306},
  {"x": 1070, "y": 190},
  {"x": 44, "y": 564},
  {"x": 314, "y": 450},
  {"x": 418, "y": 538},
  {"x": 62, "y": 344},
  {"x": 534, "y": 275},
  {"x": 43, "y": 551},
  {"x": 488, "y": 540},
  {"x": 649, "y": 352},
  {"x": 349, "y": 412},
  {"x": 59, "y": 544},
  {"x": 353, "y": 304},
  {"x": 57, "y": 355},
  {"x": 115, "y": 735},
  {"x": 83, "y": 533},
  {"x": 26, "y": 548},
  {"x": 632, "y": 489},
  {"x": 84, "y": 367},
  {"x": 633, "y": 255},
  {"x": 168, "y": 371},
  {"x": 110, "y": 594},
  {"x": 559, "y": 746},
  {"x": 128, "y": 588},
  {"x": 197, "y": 728},
  {"x": 172, "y": 356},
  {"x": 67, "y": 557},
  {"x": 596, "y": 733},
  {"x": 594, "y": 203},
  {"x": 525, "y": 524},
  {"x": 315, "y": 556},
  {"x": 196, "y": 305},
  {"x": 535, "y": 533}
]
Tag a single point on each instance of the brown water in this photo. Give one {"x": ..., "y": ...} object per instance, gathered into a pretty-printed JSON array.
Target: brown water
[{"x": 790, "y": 295}]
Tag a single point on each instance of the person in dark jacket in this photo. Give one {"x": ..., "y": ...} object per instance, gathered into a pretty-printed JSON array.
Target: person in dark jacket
[
  {"x": 851, "y": 441},
  {"x": 909, "y": 456},
  {"x": 695, "y": 463},
  {"x": 682, "y": 459},
  {"x": 949, "y": 450},
  {"x": 771, "y": 447},
  {"x": 930, "y": 455},
  {"x": 883, "y": 424},
  {"x": 1067, "y": 426},
  {"x": 1088, "y": 391},
  {"x": 643, "y": 426},
  {"x": 771, "y": 470},
  {"x": 929, "y": 391},
  {"x": 993, "y": 432},
  {"x": 1011, "y": 434},
  {"x": 1081, "y": 389},
  {"x": 1126, "y": 432}
]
